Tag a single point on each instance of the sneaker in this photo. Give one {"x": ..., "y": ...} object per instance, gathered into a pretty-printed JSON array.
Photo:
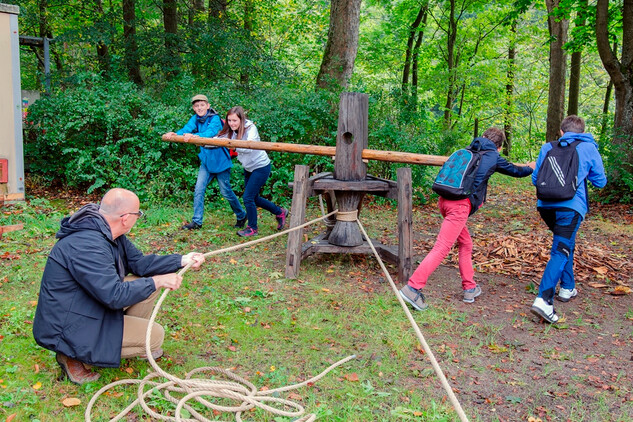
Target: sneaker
[
  {"x": 240, "y": 223},
  {"x": 565, "y": 295},
  {"x": 544, "y": 310},
  {"x": 281, "y": 219},
  {"x": 247, "y": 232},
  {"x": 191, "y": 226},
  {"x": 414, "y": 297},
  {"x": 471, "y": 294}
]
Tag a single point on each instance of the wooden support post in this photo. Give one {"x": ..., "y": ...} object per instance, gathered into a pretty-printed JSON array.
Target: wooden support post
[
  {"x": 297, "y": 217},
  {"x": 351, "y": 140},
  {"x": 405, "y": 225}
]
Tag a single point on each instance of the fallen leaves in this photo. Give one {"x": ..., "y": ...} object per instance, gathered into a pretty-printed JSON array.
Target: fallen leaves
[
  {"x": 495, "y": 348},
  {"x": 621, "y": 290},
  {"x": 353, "y": 377},
  {"x": 524, "y": 256},
  {"x": 71, "y": 402}
]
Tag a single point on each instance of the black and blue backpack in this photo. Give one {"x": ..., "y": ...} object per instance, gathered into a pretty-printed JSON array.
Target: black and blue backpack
[
  {"x": 457, "y": 176},
  {"x": 557, "y": 178}
]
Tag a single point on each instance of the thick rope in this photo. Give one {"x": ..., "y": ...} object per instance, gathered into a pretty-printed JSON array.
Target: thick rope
[
  {"x": 238, "y": 389},
  {"x": 243, "y": 391},
  {"x": 347, "y": 215},
  {"x": 427, "y": 349}
]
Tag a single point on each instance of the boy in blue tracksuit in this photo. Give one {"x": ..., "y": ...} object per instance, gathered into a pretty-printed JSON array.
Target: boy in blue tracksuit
[
  {"x": 564, "y": 217},
  {"x": 215, "y": 162}
]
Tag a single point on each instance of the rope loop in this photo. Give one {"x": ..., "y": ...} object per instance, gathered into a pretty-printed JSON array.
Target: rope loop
[
  {"x": 347, "y": 215},
  {"x": 197, "y": 391},
  {"x": 238, "y": 389}
]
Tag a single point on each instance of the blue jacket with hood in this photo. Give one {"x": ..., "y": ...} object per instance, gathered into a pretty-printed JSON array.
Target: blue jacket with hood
[
  {"x": 491, "y": 162},
  {"x": 590, "y": 167},
  {"x": 215, "y": 159},
  {"x": 82, "y": 294}
]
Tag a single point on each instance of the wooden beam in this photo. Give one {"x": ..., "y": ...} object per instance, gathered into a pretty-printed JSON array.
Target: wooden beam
[{"x": 368, "y": 154}]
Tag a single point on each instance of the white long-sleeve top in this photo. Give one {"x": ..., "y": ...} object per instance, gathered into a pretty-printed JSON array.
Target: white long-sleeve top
[{"x": 251, "y": 159}]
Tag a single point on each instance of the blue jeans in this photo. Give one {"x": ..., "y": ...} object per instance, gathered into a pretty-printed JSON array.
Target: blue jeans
[
  {"x": 253, "y": 183},
  {"x": 224, "y": 181},
  {"x": 564, "y": 223}
]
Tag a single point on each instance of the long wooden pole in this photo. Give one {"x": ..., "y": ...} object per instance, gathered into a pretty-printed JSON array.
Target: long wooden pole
[{"x": 368, "y": 154}]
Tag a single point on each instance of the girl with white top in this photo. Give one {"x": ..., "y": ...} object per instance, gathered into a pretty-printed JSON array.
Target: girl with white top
[{"x": 256, "y": 170}]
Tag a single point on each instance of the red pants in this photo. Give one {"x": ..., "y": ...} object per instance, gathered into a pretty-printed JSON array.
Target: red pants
[{"x": 453, "y": 230}]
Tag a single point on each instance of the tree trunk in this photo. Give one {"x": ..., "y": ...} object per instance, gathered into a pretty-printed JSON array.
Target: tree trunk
[
  {"x": 46, "y": 32},
  {"x": 197, "y": 9},
  {"x": 248, "y": 30},
  {"x": 605, "y": 105},
  {"x": 557, "y": 64},
  {"x": 621, "y": 72},
  {"x": 574, "y": 68},
  {"x": 414, "y": 70},
  {"x": 509, "y": 111},
  {"x": 103, "y": 52},
  {"x": 450, "y": 61},
  {"x": 131, "y": 59},
  {"x": 170, "y": 21},
  {"x": 341, "y": 47},
  {"x": 217, "y": 8},
  {"x": 413, "y": 32}
]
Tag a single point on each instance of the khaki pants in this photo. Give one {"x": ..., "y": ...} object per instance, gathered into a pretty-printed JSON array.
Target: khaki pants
[{"x": 135, "y": 324}]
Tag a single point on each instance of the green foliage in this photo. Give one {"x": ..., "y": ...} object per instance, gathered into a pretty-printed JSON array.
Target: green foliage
[
  {"x": 616, "y": 158},
  {"x": 100, "y": 134},
  {"x": 107, "y": 133}
]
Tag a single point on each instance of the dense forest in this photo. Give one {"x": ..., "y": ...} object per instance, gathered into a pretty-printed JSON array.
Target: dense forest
[{"x": 437, "y": 73}]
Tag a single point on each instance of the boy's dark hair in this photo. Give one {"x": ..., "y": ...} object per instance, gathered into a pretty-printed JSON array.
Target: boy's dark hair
[
  {"x": 573, "y": 123},
  {"x": 495, "y": 135}
]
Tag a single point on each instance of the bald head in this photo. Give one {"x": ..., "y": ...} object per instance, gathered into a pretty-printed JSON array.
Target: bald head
[
  {"x": 120, "y": 208},
  {"x": 118, "y": 201}
]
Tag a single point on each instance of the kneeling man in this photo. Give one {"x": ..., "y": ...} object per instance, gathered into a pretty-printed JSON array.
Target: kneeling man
[{"x": 86, "y": 312}]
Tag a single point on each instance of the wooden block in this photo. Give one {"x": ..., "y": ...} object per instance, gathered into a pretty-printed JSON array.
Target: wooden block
[{"x": 10, "y": 228}]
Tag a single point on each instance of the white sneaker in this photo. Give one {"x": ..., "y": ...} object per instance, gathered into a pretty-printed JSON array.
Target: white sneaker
[
  {"x": 544, "y": 310},
  {"x": 565, "y": 295}
]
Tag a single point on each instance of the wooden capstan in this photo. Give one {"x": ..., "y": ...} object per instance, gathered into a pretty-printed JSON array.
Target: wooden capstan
[{"x": 345, "y": 189}]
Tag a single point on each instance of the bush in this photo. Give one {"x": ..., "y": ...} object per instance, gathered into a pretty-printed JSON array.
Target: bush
[
  {"x": 100, "y": 134},
  {"x": 97, "y": 134}
]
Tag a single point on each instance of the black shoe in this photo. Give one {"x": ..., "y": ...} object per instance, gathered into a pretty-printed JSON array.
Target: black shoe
[
  {"x": 191, "y": 226},
  {"x": 240, "y": 223}
]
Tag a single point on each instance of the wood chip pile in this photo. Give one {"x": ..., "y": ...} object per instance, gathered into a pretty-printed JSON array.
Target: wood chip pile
[{"x": 525, "y": 255}]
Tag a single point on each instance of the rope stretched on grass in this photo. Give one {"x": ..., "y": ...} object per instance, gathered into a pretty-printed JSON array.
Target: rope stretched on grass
[
  {"x": 238, "y": 389},
  {"x": 427, "y": 349}
]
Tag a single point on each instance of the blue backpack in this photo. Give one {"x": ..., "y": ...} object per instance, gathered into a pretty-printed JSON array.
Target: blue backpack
[{"x": 457, "y": 176}]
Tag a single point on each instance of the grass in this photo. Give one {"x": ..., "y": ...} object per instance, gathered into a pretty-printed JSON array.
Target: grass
[{"x": 237, "y": 311}]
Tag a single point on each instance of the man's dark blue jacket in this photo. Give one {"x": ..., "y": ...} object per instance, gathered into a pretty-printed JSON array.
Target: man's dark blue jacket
[
  {"x": 491, "y": 162},
  {"x": 82, "y": 295}
]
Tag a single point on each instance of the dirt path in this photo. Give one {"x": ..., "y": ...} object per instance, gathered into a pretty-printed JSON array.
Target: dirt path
[{"x": 507, "y": 365}]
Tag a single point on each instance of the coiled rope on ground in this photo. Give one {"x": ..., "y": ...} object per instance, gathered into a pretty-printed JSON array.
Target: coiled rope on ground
[{"x": 237, "y": 388}]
